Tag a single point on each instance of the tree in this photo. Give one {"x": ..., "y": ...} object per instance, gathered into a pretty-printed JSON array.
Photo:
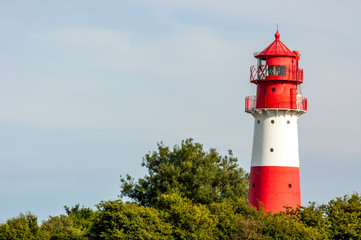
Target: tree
[
  {"x": 284, "y": 225},
  {"x": 343, "y": 216},
  {"x": 24, "y": 226},
  {"x": 340, "y": 218},
  {"x": 119, "y": 220},
  {"x": 62, "y": 227},
  {"x": 237, "y": 220},
  {"x": 73, "y": 226},
  {"x": 189, "y": 171},
  {"x": 191, "y": 194},
  {"x": 81, "y": 216},
  {"x": 313, "y": 216},
  {"x": 189, "y": 220}
]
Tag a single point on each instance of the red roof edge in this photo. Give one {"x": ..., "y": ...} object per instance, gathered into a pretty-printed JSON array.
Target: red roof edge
[{"x": 276, "y": 48}]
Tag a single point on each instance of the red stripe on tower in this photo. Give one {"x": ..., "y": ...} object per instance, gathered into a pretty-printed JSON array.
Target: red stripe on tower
[{"x": 275, "y": 178}]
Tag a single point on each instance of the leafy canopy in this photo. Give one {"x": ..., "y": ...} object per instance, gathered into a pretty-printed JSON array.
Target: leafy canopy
[
  {"x": 189, "y": 171},
  {"x": 191, "y": 194}
]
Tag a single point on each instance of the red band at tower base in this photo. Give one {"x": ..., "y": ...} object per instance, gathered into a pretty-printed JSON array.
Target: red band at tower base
[{"x": 274, "y": 187}]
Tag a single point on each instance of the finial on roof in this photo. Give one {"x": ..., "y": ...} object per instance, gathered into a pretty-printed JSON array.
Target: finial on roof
[{"x": 277, "y": 35}]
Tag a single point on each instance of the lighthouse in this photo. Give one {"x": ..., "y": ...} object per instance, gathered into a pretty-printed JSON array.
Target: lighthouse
[{"x": 275, "y": 175}]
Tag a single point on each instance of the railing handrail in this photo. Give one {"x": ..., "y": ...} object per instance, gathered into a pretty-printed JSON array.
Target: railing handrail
[
  {"x": 301, "y": 104},
  {"x": 261, "y": 72}
]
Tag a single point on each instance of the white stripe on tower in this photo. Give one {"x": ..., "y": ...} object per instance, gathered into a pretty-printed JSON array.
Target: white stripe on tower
[{"x": 275, "y": 140}]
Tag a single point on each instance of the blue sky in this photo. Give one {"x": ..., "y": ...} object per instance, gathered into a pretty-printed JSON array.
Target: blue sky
[{"x": 89, "y": 87}]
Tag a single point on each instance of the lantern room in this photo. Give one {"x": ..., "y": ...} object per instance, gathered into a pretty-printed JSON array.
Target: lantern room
[
  {"x": 278, "y": 78},
  {"x": 277, "y": 62}
]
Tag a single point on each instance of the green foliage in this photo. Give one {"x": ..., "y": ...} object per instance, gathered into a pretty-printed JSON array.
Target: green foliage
[
  {"x": 81, "y": 216},
  {"x": 191, "y": 194},
  {"x": 286, "y": 226},
  {"x": 74, "y": 226},
  {"x": 188, "y": 220},
  {"x": 339, "y": 219},
  {"x": 62, "y": 227},
  {"x": 189, "y": 171},
  {"x": 176, "y": 217},
  {"x": 22, "y": 227},
  {"x": 173, "y": 217},
  {"x": 236, "y": 220},
  {"x": 343, "y": 216},
  {"x": 119, "y": 220},
  {"x": 313, "y": 216}
]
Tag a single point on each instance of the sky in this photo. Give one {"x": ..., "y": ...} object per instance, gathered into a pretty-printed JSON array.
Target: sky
[{"x": 87, "y": 88}]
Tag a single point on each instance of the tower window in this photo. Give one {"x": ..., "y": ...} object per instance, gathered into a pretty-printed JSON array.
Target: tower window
[
  {"x": 288, "y": 122},
  {"x": 258, "y": 121},
  {"x": 272, "y": 121},
  {"x": 261, "y": 62},
  {"x": 276, "y": 70},
  {"x": 271, "y": 149},
  {"x": 253, "y": 185},
  {"x": 289, "y": 185},
  {"x": 273, "y": 89}
]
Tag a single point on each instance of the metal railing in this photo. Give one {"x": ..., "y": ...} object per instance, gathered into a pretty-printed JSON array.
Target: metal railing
[
  {"x": 300, "y": 104},
  {"x": 250, "y": 103},
  {"x": 264, "y": 72}
]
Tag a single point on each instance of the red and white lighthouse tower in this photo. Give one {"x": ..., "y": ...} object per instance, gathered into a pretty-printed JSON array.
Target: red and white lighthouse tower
[{"x": 275, "y": 175}]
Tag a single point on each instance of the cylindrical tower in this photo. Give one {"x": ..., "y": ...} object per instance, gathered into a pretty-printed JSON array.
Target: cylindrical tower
[{"x": 275, "y": 175}]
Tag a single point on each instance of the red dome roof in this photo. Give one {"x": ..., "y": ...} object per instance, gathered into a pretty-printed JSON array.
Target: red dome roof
[{"x": 277, "y": 48}]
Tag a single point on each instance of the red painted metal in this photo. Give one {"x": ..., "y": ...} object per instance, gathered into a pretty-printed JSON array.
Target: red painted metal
[
  {"x": 278, "y": 77},
  {"x": 277, "y": 48},
  {"x": 299, "y": 105},
  {"x": 262, "y": 73},
  {"x": 274, "y": 187}
]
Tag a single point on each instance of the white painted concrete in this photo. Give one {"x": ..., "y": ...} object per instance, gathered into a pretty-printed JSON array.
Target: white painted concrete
[{"x": 275, "y": 139}]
